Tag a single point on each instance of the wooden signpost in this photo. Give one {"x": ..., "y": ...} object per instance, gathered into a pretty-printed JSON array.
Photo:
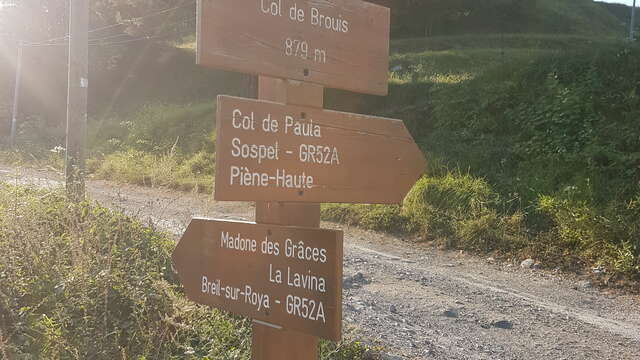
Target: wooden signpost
[
  {"x": 289, "y": 155},
  {"x": 341, "y": 44},
  {"x": 273, "y": 152},
  {"x": 283, "y": 275}
]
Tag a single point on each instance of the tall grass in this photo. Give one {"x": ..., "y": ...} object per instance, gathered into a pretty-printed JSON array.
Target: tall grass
[
  {"x": 79, "y": 281},
  {"x": 159, "y": 145}
]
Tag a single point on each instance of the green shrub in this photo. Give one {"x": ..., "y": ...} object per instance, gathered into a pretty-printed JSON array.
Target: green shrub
[
  {"x": 170, "y": 170},
  {"x": 372, "y": 217},
  {"x": 456, "y": 210},
  {"x": 80, "y": 281},
  {"x": 559, "y": 126},
  {"x": 609, "y": 237},
  {"x": 435, "y": 204},
  {"x": 537, "y": 127},
  {"x": 156, "y": 128},
  {"x": 492, "y": 232}
]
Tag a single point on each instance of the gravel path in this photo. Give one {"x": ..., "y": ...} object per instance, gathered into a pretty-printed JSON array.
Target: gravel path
[{"x": 421, "y": 303}]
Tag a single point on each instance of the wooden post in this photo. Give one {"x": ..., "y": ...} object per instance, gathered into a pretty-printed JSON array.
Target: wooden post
[
  {"x": 77, "y": 97},
  {"x": 632, "y": 24},
  {"x": 16, "y": 94},
  {"x": 274, "y": 343}
]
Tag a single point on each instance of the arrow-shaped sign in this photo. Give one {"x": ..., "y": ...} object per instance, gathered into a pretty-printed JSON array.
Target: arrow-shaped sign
[
  {"x": 286, "y": 276},
  {"x": 267, "y": 151}
]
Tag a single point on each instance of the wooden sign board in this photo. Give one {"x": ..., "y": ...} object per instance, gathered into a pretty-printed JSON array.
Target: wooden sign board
[
  {"x": 267, "y": 151},
  {"x": 341, "y": 44},
  {"x": 286, "y": 276}
]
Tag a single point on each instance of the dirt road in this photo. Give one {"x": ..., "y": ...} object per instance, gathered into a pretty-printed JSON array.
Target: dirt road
[{"x": 421, "y": 303}]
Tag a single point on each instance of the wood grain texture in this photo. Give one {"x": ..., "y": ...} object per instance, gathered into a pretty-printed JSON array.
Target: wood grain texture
[
  {"x": 238, "y": 35},
  {"x": 274, "y": 344},
  {"x": 201, "y": 253},
  {"x": 294, "y": 93},
  {"x": 377, "y": 159},
  {"x": 282, "y": 344}
]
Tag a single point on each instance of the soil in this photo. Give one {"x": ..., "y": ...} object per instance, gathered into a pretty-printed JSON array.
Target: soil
[{"x": 418, "y": 302}]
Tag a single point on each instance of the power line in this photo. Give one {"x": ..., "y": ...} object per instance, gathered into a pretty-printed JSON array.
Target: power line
[
  {"x": 98, "y": 44},
  {"x": 131, "y": 40},
  {"x": 66, "y": 37},
  {"x": 96, "y": 41},
  {"x": 148, "y": 37},
  {"x": 141, "y": 17}
]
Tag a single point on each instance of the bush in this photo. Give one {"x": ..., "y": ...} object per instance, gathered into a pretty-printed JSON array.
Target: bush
[
  {"x": 556, "y": 137},
  {"x": 82, "y": 281},
  {"x": 436, "y": 204},
  {"x": 538, "y": 127},
  {"x": 148, "y": 169},
  {"x": 160, "y": 145},
  {"x": 456, "y": 210},
  {"x": 610, "y": 238},
  {"x": 373, "y": 217},
  {"x": 156, "y": 128},
  {"x": 492, "y": 232}
]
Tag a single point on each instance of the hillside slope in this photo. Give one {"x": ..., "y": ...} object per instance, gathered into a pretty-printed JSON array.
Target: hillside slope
[
  {"x": 447, "y": 17},
  {"x": 620, "y": 11}
]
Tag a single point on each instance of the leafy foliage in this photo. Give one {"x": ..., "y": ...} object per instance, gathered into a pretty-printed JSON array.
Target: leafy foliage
[
  {"x": 81, "y": 281},
  {"x": 557, "y": 138},
  {"x": 156, "y": 128},
  {"x": 416, "y": 18},
  {"x": 552, "y": 135},
  {"x": 159, "y": 145}
]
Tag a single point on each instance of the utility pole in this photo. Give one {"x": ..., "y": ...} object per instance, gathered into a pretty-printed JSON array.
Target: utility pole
[
  {"x": 632, "y": 26},
  {"x": 77, "y": 97},
  {"x": 16, "y": 94}
]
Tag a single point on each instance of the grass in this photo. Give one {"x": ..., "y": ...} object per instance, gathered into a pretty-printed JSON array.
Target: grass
[
  {"x": 147, "y": 169},
  {"x": 158, "y": 145},
  {"x": 548, "y": 133},
  {"x": 455, "y": 211},
  {"x": 436, "y": 18},
  {"x": 81, "y": 281},
  {"x": 453, "y": 66},
  {"x": 500, "y": 41}
]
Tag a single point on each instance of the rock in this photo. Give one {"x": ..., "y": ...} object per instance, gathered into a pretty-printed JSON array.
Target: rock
[
  {"x": 491, "y": 260},
  {"x": 393, "y": 309},
  {"x": 450, "y": 265},
  {"x": 527, "y": 264},
  {"x": 503, "y": 324},
  {"x": 586, "y": 284},
  {"x": 355, "y": 281},
  {"x": 390, "y": 357},
  {"x": 451, "y": 313}
]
